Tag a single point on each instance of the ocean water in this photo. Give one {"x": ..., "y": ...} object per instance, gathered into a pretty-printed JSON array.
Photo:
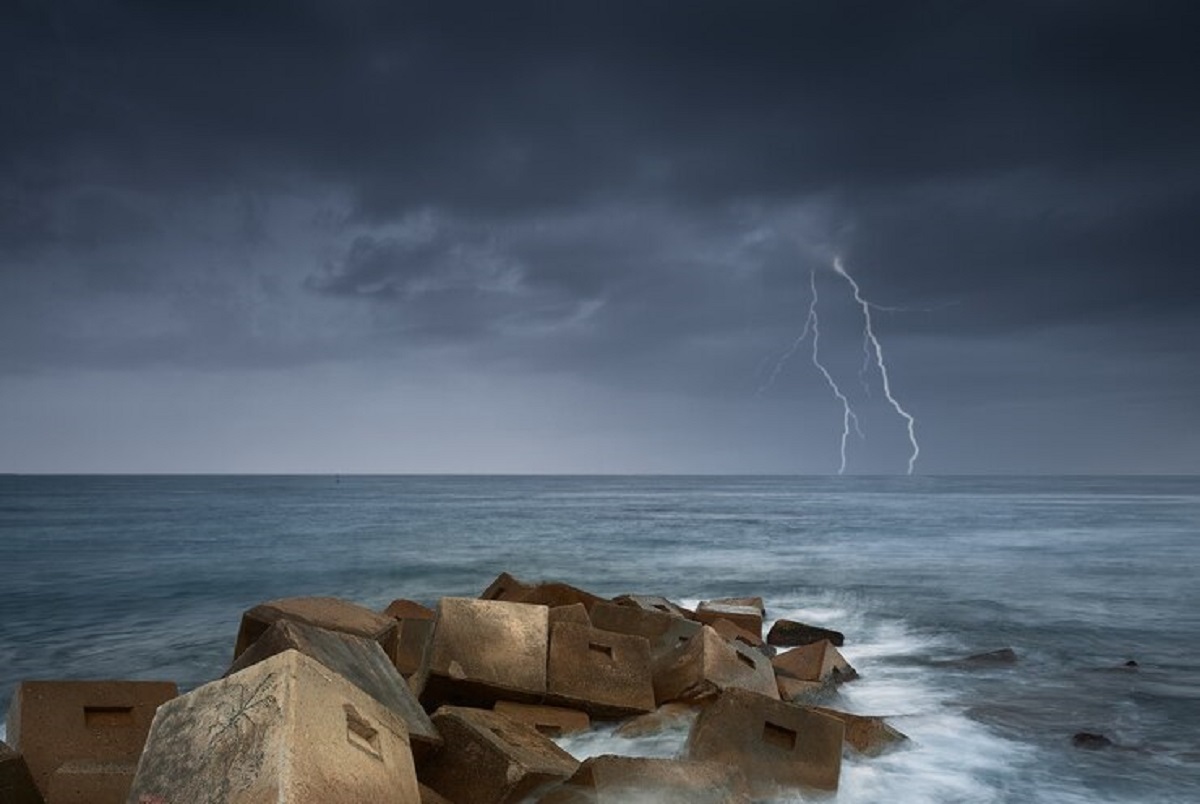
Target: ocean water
[{"x": 146, "y": 577}]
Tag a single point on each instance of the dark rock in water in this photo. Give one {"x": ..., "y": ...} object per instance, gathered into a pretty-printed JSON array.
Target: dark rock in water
[
  {"x": 1131, "y": 664},
  {"x": 1091, "y": 742},
  {"x": 993, "y": 658},
  {"x": 791, "y": 634}
]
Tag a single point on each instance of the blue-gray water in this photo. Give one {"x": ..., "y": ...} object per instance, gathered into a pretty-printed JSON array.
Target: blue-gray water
[{"x": 145, "y": 577}]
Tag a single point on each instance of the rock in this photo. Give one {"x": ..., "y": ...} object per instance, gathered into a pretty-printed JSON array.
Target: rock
[
  {"x": 744, "y": 613},
  {"x": 777, "y": 746},
  {"x": 866, "y": 735},
  {"x": 663, "y": 630},
  {"x": 91, "y": 731},
  {"x": 707, "y": 664},
  {"x": 610, "y": 779},
  {"x": 552, "y": 721},
  {"x": 415, "y": 632},
  {"x": 819, "y": 662},
  {"x": 360, "y": 661},
  {"x": 552, "y": 593},
  {"x": 606, "y": 675},
  {"x": 287, "y": 729},
  {"x": 675, "y": 716},
  {"x": 324, "y": 612},
  {"x": 16, "y": 783},
  {"x": 792, "y": 634},
  {"x": 490, "y": 759},
  {"x": 484, "y": 651},
  {"x": 1091, "y": 742}
]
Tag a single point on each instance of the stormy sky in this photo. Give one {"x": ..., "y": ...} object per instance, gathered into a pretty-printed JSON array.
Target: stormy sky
[{"x": 580, "y": 236}]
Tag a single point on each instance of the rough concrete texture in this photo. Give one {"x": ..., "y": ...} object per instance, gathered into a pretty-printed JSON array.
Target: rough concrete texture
[
  {"x": 359, "y": 660},
  {"x": 491, "y": 759},
  {"x": 16, "y": 783},
  {"x": 793, "y": 690},
  {"x": 605, "y": 674},
  {"x": 747, "y": 617},
  {"x": 575, "y": 613},
  {"x": 324, "y": 612},
  {"x": 55, "y": 722},
  {"x": 733, "y": 633},
  {"x": 484, "y": 651},
  {"x": 610, "y": 779},
  {"x": 287, "y": 730},
  {"x": 663, "y": 630},
  {"x": 791, "y": 634},
  {"x": 819, "y": 661},
  {"x": 81, "y": 782},
  {"x": 777, "y": 746},
  {"x": 552, "y": 594},
  {"x": 552, "y": 721},
  {"x": 653, "y": 603},
  {"x": 416, "y": 631},
  {"x": 707, "y": 664},
  {"x": 866, "y": 735},
  {"x": 753, "y": 602}
]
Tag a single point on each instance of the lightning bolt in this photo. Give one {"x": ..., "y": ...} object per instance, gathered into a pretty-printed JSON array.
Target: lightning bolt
[
  {"x": 812, "y": 325},
  {"x": 877, "y": 350}
]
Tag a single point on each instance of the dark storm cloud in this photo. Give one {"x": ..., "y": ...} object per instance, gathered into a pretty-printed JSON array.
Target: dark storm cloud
[{"x": 1021, "y": 165}]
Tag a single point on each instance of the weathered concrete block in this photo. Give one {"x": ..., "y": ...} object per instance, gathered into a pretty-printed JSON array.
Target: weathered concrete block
[
  {"x": 416, "y": 631},
  {"x": 552, "y": 721},
  {"x": 793, "y": 690},
  {"x": 605, "y": 674},
  {"x": 791, "y": 634},
  {"x": 359, "y": 660},
  {"x": 323, "y": 612},
  {"x": 663, "y": 630},
  {"x": 611, "y": 779},
  {"x": 776, "y": 745},
  {"x": 81, "y": 782},
  {"x": 654, "y": 603},
  {"x": 745, "y": 613},
  {"x": 52, "y": 723},
  {"x": 484, "y": 651},
  {"x": 491, "y": 759},
  {"x": 549, "y": 593},
  {"x": 733, "y": 633},
  {"x": 865, "y": 734},
  {"x": 818, "y": 661},
  {"x": 287, "y": 730},
  {"x": 707, "y": 664},
  {"x": 16, "y": 783},
  {"x": 574, "y": 613}
]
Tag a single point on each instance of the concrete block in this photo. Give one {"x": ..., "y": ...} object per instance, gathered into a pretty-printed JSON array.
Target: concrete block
[
  {"x": 574, "y": 613},
  {"x": 791, "y": 634},
  {"x": 653, "y": 603},
  {"x": 605, "y": 674},
  {"x": 793, "y": 690},
  {"x": 663, "y": 630},
  {"x": 323, "y": 612},
  {"x": 416, "y": 630},
  {"x": 675, "y": 716},
  {"x": 552, "y": 721},
  {"x": 484, "y": 651},
  {"x": 865, "y": 734},
  {"x": 734, "y": 633},
  {"x": 818, "y": 661},
  {"x": 611, "y": 779},
  {"x": 745, "y": 613},
  {"x": 777, "y": 746},
  {"x": 287, "y": 730},
  {"x": 16, "y": 783},
  {"x": 52, "y": 723},
  {"x": 549, "y": 593},
  {"x": 360, "y": 661},
  {"x": 491, "y": 759},
  {"x": 82, "y": 782},
  {"x": 707, "y": 664}
]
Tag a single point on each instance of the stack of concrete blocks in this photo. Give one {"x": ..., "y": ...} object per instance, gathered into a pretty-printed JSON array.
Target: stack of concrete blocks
[
  {"x": 330, "y": 613},
  {"x": 81, "y": 739}
]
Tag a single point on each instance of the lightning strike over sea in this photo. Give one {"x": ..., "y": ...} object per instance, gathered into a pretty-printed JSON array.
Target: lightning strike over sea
[
  {"x": 877, "y": 349},
  {"x": 848, "y": 415}
]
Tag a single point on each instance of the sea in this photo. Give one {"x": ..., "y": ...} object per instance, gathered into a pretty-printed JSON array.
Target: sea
[{"x": 145, "y": 577}]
